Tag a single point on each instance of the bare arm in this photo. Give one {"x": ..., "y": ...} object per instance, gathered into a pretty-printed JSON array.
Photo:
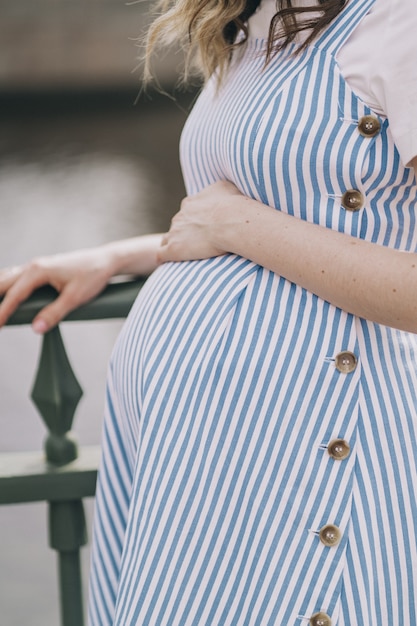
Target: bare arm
[
  {"x": 78, "y": 276},
  {"x": 368, "y": 280}
]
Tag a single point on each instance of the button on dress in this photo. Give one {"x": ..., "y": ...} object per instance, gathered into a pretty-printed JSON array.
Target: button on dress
[{"x": 259, "y": 464}]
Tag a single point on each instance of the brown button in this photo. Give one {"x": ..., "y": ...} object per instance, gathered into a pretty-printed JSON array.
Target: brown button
[
  {"x": 352, "y": 200},
  {"x": 369, "y": 126},
  {"x": 320, "y": 619},
  {"x": 330, "y": 535},
  {"x": 345, "y": 362},
  {"x": 338, "y": 449}
]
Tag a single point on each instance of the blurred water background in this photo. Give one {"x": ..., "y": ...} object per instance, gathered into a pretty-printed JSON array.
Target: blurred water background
[{"x": 80, "y": 163}]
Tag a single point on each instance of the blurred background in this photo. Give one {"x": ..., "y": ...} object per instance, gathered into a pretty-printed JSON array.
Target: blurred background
[{"x": 85, "y": 158}]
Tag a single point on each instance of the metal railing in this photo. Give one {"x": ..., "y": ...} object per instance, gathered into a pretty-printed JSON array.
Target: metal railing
[{"x": 63, "y": 474}]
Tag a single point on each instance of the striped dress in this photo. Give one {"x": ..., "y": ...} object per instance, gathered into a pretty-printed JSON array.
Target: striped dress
[{"x": 259, "y": 450}]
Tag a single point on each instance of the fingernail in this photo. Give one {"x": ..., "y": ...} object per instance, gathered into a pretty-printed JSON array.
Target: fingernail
[{"x": 40, "y": 326}]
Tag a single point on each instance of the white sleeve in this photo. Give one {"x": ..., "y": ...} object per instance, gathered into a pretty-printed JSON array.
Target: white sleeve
[{"x": 379, "y": 62}]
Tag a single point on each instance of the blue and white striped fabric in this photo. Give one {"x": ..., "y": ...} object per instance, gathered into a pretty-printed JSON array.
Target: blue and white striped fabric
[{"x": 224, "y": 395}]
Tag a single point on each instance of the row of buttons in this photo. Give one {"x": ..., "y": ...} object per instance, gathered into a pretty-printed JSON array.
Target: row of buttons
[
  {"x": 368, "y": 126},
  {"x": 345, "y": 362},
  {"x": 339, "y": 450}
]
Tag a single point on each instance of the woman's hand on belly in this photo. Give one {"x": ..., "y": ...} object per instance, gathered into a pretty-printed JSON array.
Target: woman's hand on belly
[
  {"x": 194, "y": 232},
  {"x": 369, "y": 280}
]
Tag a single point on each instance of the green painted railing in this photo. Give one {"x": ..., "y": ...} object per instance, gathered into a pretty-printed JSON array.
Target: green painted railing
[{"x": 63, "y": 474}]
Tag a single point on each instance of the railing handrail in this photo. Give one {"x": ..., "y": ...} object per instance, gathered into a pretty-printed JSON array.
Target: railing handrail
[{"x": 114, "y": 301}]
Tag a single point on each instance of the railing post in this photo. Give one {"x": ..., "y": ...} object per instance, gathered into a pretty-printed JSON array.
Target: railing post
[
  {"x": 67, "y": 534},
  {"x": 56, "y": 393}
]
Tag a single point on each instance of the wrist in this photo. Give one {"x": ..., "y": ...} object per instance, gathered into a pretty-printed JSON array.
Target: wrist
[
  {"x": 112, "y": 259},
  {"x": 137, "y": 256},
  {"x": 239, "y": 224}
]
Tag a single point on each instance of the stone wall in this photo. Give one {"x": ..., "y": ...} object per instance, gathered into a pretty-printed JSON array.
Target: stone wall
[{"x": 73, "y": 43}]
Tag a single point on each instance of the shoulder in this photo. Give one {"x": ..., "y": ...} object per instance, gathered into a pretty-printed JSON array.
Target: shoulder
[
  {"x": 380, "y": 62},
  {"x": 395, "y": 65},
  {"x": 394, "y": 17},
  {"x": 394, "y": 6}
]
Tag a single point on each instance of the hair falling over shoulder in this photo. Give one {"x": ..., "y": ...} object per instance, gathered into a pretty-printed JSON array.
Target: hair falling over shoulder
[{"x": 209, "y": 30}]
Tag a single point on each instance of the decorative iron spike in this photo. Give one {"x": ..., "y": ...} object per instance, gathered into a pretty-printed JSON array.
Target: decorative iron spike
[{"x": 56, "y": 393}]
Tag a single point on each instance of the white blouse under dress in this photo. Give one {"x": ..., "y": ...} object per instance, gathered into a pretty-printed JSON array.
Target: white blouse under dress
[
  {"x": 378, "y": 61},
  {"x": 259, "y": 450}
]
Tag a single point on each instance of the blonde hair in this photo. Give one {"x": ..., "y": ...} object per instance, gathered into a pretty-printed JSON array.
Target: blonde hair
[
  {"x": 208, "y": 30},
  {"x": 199, "y": 28}
]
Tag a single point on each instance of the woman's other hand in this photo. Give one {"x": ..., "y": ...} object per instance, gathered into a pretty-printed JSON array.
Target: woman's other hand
[
  {"x": 195, "y": 230},
  {"x": 77, "y": 276}
]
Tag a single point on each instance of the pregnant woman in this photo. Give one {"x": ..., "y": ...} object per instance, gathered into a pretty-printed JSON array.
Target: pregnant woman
[{"x": 259, "y": 451}]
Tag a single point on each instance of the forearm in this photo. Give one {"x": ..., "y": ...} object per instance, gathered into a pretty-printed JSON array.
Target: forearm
[
  {"x": 136, "y": 256},
  {"x": 368, "y": 280},
  {"x": 78, "y": 276}
]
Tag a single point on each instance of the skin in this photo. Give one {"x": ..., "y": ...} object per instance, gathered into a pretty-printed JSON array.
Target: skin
[{"x": 368, "y": 280}]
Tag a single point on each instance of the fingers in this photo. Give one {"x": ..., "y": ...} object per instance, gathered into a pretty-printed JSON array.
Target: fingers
[
  {"x": 77, "y": 278},
  {"x": 8, "y": 276},
  {"x": 52, "y": 314},
  {"x": 18, "y": 286},
  {"x": 77, "y": 291}
]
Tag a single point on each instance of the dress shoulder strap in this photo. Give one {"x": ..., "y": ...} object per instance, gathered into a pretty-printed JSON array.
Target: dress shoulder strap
[{"x": 343, "y": 25}]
